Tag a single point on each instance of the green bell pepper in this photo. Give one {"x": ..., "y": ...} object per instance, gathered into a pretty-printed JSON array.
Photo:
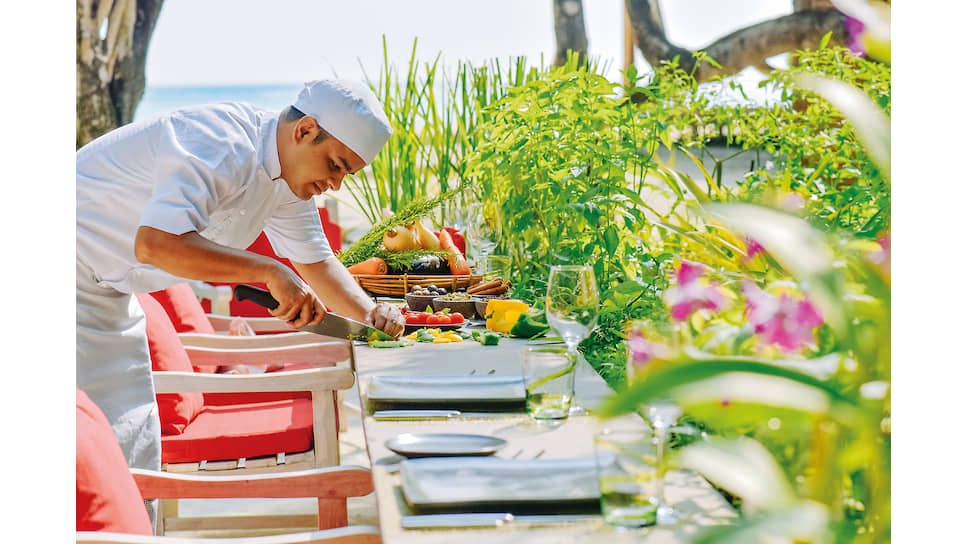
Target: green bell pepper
[{"x": 530, "y": 323}]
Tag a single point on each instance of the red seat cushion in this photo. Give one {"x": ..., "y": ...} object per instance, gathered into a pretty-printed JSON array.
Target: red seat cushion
[
  {"x": 185, "y": 312},
  {"x": 107, "y": 497},
  {"x": 243, "y": 430},
  {"x": 175, "y": 410}
]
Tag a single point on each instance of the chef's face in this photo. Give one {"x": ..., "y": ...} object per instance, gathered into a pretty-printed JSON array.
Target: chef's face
[{"x": 316, "y": 167}]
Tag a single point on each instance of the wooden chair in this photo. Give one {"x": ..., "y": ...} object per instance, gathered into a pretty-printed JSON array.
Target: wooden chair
[
  {"x": 109, "y": 494},
  {"x": 247, "y": 424},
  {"x": 201, "y": 330}
]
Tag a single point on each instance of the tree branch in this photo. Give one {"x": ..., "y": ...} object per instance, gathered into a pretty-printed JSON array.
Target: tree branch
[{"x": 749, "y": 46}]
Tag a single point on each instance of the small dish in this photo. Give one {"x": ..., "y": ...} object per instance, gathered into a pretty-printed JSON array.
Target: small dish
[
  {"x": 464, "y": 307},
  {"x": 412, "y": 445},
  {"x": 419, "y": 303},
  {"x": 480, "y": 303}
]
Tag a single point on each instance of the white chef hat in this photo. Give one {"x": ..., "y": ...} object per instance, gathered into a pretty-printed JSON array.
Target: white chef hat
[{"x": 350, "y": 112}]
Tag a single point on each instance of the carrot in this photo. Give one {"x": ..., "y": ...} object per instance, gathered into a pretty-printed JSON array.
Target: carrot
[
  {"x": 373, "y": 265},
  {"x": 458, "y": 265},
  {"x": 447, "y": 242}
]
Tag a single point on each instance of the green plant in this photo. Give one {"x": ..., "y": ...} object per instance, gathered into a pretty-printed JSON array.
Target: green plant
[{"x": 831, "y": 483}]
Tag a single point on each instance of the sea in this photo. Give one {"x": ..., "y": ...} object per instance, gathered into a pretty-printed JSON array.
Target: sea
[{"x": 158, "y": 99}]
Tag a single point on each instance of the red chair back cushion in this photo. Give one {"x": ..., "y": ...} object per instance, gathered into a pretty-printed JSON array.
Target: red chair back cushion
[
  {"x": 107, "y": 497},
  {"x": 245, "y": 308},
  {"x": 176, "y": 410},
  {"x": 185, "y": 312}
]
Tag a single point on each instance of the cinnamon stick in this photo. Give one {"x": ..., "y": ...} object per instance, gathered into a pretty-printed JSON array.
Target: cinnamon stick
[{"x": 485, "y": 285}]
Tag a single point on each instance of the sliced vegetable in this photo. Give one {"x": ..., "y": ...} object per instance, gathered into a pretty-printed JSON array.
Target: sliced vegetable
[
  {"x": 486, "y": 338},
  {"x": 389, "y": 343}
]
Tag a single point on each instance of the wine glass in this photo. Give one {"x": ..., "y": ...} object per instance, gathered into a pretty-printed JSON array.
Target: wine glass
[
  {"x": 484, "y": 231},
  {"x": 663, "y": 414},
  {"x": 571, "y": 307}
]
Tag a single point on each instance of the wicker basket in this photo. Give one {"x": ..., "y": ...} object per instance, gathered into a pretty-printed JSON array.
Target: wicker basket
[{"x": 399, "y": 285}]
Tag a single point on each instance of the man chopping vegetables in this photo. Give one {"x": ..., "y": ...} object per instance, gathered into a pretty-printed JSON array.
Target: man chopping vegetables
[{"x": 181, "y": 196}]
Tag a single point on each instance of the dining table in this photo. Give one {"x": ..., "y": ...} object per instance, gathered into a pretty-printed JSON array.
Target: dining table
[{"x": 524, "y": 440}]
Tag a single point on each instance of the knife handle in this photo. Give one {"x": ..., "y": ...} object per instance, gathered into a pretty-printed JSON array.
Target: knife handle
[{"x": 259, "y": 296}]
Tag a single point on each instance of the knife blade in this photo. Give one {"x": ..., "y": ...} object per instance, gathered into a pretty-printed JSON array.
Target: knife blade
[
  {"x": 332, "y": 325},
  {"x": 495, "y": 519}
]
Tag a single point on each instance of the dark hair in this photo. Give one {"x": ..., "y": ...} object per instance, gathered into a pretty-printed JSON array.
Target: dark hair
[{"x": 293, "y": 114}]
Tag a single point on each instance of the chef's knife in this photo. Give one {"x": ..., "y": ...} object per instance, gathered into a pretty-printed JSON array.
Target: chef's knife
[{"x": 332, "y": 325}]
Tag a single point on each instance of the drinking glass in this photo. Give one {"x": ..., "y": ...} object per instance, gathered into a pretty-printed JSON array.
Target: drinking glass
[
  {"x": 571, "y": 306},
  {"x": 628, "y": 478},
  {"x": 483, "y": 231},
  {"x": 663, "y": 415},
  {"x": 549, "y": 382}
]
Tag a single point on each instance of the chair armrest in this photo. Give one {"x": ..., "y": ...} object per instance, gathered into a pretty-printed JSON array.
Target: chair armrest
[
  {"x": 258, "y": 324},
  {"x": 312, "y": 379},
  {"x": 223, "y": 341},
  {"x": 319, "y": 353},
  {"x": 357, "y": 534},
  {"x": 329, "y": 482}
]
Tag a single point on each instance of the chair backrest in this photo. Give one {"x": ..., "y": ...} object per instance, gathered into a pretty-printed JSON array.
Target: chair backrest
[
  {"x": 175, "y": 410},
  {"x": 107, "y": 496}
]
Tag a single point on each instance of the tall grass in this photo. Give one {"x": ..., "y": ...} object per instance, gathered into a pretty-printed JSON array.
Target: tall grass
[{"x": 434, "y": 119}]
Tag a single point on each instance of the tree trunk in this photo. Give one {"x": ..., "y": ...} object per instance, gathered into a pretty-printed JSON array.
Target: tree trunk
[
  {"x": 112, "y": 47},
  {"x": 749, "y": 46},
  {"x": 570, "y": 30}
]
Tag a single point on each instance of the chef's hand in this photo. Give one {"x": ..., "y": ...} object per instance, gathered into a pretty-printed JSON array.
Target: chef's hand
[
  {"x": 298, "y": 305},
  {"x": 387, "y": 318}
]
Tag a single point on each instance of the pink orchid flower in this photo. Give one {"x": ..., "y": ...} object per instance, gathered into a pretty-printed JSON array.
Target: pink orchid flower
[
  {"x": 753, "y": 248},
  {"x": 689, "y": 296},
  {"x": 783, "y": 321}
]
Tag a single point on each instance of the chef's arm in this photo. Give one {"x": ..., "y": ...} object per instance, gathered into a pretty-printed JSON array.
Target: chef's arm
[
  {"x": 192, "y": 256},
  {"x": 341, "y": 294}
]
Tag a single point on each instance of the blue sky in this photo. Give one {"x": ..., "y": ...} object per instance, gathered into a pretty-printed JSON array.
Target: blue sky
[{"x": 215, "y": 42}]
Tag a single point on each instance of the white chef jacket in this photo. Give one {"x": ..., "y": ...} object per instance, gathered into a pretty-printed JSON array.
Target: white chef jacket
[{"x": 209, "y": 169}]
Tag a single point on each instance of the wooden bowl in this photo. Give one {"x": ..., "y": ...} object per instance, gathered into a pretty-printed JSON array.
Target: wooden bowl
[
  {"x": 419, "y": 303},
  {"x": 464, "y": 307},
  {"x": 480, "y": 303}
]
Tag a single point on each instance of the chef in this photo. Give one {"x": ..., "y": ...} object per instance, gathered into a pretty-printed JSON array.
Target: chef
[{"x": 181, "y": 196}]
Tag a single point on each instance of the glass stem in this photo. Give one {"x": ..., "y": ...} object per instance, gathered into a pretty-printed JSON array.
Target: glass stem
[{"x": 660, "y": 464}]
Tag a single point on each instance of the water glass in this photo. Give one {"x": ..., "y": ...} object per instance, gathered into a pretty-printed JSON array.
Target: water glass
[
  {"x": 628, "y": 476},
  {"x": 496, "y": 266},
  {"x": 549, "y": 380}
]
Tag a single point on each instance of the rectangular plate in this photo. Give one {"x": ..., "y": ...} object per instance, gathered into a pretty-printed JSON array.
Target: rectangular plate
[
  {"x": 488, "y": 483},
  {"x": 447, "y": 390}
]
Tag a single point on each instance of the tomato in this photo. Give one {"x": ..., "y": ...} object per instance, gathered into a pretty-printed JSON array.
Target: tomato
[
  {"x": 438, "y": 318},
  {"x": 416, "y": 318},
  {"x": 456, "y": 318}
]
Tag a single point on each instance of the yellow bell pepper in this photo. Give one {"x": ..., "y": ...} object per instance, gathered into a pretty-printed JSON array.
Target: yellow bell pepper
[{"x": 503, "y": 313}]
